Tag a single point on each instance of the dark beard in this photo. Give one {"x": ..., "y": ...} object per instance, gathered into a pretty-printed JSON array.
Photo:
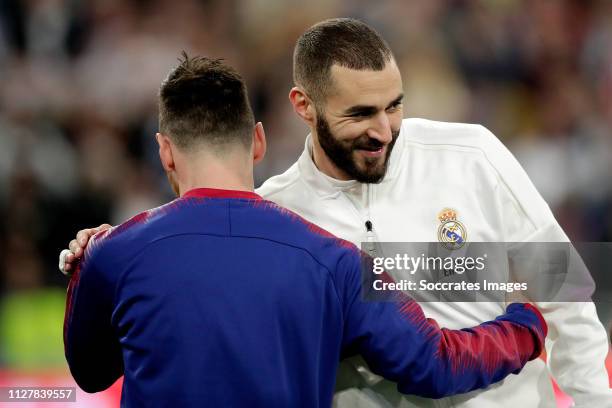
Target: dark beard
[{"x": 341, "y": 153}]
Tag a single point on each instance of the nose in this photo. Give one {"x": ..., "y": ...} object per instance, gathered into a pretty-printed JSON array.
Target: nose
[{"x": 380, "y": 128}]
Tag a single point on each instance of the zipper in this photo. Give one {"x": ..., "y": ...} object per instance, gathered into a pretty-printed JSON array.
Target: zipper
[
  {"x": 361, "y": 209},
  {"x": 374, "y": 249},
  {"x": 371, "y": 246}
]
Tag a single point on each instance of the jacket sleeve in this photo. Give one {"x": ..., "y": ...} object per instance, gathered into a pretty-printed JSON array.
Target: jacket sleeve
[
  {"x": 91, "y": 347},
  {"x": 577, "y": 344},
  {"x": 400, "y": 343}
]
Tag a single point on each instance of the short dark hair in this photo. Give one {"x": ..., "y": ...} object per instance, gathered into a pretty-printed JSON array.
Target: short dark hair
[
  {"x": 347, "y": 42},
  {"x": 205, "y": 100}
]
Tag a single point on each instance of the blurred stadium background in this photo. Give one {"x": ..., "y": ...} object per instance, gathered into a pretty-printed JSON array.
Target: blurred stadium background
[{"x": 78, "y": 83}]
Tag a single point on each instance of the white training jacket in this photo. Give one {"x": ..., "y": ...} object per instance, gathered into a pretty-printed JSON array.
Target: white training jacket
[{"x": 437, "y": 165}]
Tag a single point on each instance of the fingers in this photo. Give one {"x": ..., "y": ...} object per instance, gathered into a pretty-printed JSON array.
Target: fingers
[
  {"x": 73, "y": 246},
  {"x": 69, "y": 257},
  {"x": 516, "y": 297},
  {"x": 63, "y": 259},
  {"x": 69, "y": 260},
  {"x": 83, "y": 236},
  {"x": 76, "y": 245}
]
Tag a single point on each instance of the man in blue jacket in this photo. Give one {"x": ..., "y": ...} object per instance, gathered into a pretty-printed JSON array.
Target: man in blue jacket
[{"x": 223, "y": 299}]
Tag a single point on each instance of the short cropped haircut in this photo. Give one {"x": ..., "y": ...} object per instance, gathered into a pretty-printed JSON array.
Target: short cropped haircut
[
  {"x": 204, "y": 101},
  {"x": 347, "y": 42}
]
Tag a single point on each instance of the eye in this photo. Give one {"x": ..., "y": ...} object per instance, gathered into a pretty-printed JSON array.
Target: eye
[
  {"x": 394, "y": 107},
  {"x": 360, "y": 114}
]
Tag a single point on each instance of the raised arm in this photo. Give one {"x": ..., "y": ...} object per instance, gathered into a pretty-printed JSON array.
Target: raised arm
[
  {"x": 401, "y": 344},
  {"x": 90, "y": 344}
]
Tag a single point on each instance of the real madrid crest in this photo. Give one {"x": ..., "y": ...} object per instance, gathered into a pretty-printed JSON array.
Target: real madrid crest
[{"x": 451, "y": 233}]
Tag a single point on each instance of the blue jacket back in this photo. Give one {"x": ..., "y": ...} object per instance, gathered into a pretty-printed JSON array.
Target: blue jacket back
[{"x": 221, "y": 298}]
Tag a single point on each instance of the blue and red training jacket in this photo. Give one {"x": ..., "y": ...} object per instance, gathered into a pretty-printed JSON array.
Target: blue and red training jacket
[{"x": 223, "y": 299}]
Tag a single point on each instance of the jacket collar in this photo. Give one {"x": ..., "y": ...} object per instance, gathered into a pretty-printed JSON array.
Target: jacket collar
[
  {"x": 220, "y": 193},
  {"x": 325, "y": 185}
]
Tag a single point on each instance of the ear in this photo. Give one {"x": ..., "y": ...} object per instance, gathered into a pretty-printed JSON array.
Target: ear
[
  {"x": 302, "y": 105},
  {"x": 165, "y": 152},
  {"x": 259, "y": 143}
]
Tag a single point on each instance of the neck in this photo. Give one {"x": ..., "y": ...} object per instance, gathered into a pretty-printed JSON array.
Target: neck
[{"x": 209, "y": 171}]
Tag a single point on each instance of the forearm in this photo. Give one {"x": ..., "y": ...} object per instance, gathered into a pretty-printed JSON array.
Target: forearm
[
  {"x": 92, "y": 351},
  {"x": 462, "y": 360},
  {"x": 401, "y": 344}
]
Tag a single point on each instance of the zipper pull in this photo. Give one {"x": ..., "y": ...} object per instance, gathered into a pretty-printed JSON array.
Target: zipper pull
[{"x": 370, "y": 246}]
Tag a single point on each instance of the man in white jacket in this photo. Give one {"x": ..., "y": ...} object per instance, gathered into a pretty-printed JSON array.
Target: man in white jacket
[{"x": 367, "y": 174}]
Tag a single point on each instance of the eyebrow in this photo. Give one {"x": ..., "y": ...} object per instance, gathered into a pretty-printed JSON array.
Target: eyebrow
[{"x": 369, "y": 110}]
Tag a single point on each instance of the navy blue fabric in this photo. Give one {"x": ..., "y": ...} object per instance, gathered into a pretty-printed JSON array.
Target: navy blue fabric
[{"x": 231, "y": 302}]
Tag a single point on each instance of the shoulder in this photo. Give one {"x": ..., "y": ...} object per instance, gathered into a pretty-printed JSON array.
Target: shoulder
[
  {"x": 464, "y": 141},
  {"x": 285, "y": 227},
  {"x": 289, "y": 189},
  {"x": 277, "y": 184},
  {"x": 450, "y": 134},
  {"x": 463, "y": 138},
  {"x": 129, "y": 237}
]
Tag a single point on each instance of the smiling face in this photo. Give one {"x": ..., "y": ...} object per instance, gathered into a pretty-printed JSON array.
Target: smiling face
[{"x": 358, "y": 123}]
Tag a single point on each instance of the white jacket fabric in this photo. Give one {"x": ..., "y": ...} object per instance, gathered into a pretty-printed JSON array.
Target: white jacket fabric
[{"x": 433, "y": 166}]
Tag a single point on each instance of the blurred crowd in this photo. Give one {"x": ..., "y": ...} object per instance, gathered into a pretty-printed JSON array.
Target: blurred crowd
[{"x": 78, "y": 114}]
